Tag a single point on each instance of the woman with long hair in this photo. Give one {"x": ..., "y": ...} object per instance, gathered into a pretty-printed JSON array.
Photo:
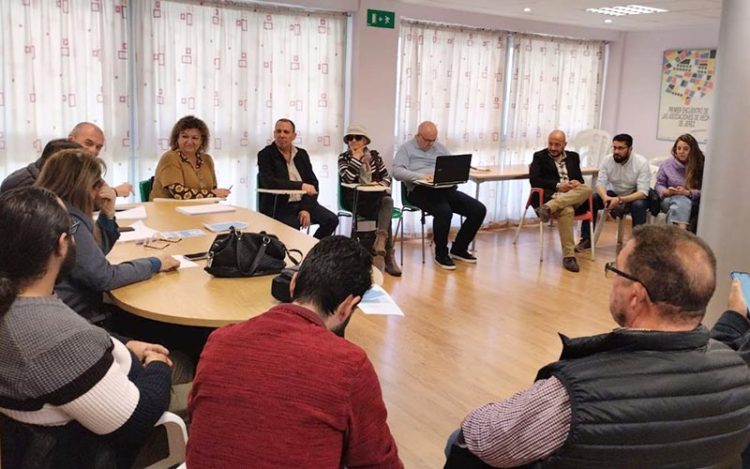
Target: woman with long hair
[
  {"x": 76, "y": 177},
  {"x": 73, "y": 395},
  {"x": 679, "y": 181}
]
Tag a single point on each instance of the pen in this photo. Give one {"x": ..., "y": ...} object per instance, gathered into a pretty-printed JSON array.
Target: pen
[{"x": 230, "y": 187}]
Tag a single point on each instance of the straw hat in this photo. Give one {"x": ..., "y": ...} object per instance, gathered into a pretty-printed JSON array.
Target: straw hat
[{"x": 357, "y": 129}]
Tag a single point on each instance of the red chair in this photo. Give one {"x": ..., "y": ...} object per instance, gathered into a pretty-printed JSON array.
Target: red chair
[{"x": 587, "y": 216}]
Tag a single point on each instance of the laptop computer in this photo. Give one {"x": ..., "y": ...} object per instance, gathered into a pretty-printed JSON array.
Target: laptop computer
[{"x": 449, "y": 171}]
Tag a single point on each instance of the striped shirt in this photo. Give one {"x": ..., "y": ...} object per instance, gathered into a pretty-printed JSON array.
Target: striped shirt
[
  {"x": 528, "y": 427},
  {"x": 351, "y": 169}
]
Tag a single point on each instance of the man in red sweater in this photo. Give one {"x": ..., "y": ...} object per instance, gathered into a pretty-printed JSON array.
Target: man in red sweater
[{"x": 283, "y": 390}]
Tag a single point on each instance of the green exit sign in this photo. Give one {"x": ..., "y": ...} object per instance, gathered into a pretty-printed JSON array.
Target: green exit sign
[{"x": 381, "y": 19}]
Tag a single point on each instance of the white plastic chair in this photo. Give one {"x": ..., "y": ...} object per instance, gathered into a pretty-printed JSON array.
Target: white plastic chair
[
  {"x": 176, "y": 440},
  {"x": 593, "y": 145}
]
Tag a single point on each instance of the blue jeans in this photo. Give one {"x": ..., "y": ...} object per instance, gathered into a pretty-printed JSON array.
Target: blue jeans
[
  {"x": 638, "y": 210},
  {"x": 677, "y": 208}
]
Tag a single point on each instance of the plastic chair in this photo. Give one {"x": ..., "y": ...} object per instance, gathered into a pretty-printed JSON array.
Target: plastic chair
[
  {"x": 592, "y": 145},
  {"x": 409, "y": 207},
  {"x": 176, "y": 441},
  {"x": 144, "y": 188},
  {"x": 587, "y": 216}
]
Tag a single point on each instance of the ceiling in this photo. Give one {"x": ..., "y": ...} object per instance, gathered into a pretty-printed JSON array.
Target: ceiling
[{"x": 681, "y": 14}]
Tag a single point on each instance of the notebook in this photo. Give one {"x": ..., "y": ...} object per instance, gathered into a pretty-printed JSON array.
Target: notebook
[
  {"x": 204, "y": 209},
  {"x": 225, "y": 225},
  {"x": 449, "y": 171}
]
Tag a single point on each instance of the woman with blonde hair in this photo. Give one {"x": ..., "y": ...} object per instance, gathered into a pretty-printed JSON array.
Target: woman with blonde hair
[
  {"x": 76, "y": 177},
  {"x": 679, "y": 181}
]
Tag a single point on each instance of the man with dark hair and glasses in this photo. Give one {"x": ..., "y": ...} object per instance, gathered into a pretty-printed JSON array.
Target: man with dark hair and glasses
[
  {"x": 415, "y": 160},
  {"x": 656, "y": 389}
]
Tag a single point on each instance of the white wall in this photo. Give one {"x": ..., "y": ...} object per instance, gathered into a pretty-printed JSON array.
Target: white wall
[{"x": 637, "y": 89}]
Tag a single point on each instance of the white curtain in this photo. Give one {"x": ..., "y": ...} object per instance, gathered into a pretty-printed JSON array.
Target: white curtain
[
  {"x": 237, "y": 68},
  {"x": 62, "y": 63},
  {"x": 556, "y": 84},
  {"x": 455, "y": 78},
  {"x": 240, "y": 70}
]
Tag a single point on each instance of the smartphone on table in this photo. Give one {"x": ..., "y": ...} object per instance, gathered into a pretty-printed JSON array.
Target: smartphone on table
[
  {"x": 196, "y": 256},
  {"x": 744, "y": 279}
]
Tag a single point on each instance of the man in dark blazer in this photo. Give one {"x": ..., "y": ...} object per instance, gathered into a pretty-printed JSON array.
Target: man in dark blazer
[
  {"x": 281, "y": 165},
  {"x": 558, "y": 172}
]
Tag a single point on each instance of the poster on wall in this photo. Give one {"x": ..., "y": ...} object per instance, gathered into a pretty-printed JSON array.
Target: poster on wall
[{"x": 688, "y": 77}]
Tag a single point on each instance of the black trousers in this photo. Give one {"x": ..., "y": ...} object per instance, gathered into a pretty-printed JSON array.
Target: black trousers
[
  {"x": 326, "y": 220},
  {"x": 442, "y": 204}
]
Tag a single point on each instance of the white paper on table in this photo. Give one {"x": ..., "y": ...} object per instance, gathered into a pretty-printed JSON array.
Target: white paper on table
[
  {"x": 184, "y": 262},
  {"x": 377, "y": 301},
  {"x": 140, "y": 232},
  {"x": 204, "y": 209},
  {"x": 137, "y": 213}
]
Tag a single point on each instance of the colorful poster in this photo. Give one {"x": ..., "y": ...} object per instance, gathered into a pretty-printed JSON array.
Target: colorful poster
[{"x": 688, "y": 78}]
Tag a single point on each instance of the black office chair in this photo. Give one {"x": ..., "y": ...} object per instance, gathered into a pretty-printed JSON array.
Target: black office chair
[{"x": 409, "y": 207}]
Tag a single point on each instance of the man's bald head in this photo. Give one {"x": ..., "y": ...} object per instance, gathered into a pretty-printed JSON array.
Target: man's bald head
[
  {"x": 427, "y": 134},
  {"x": 89, "y": 136},
  {"x": 556, "y": 143}
]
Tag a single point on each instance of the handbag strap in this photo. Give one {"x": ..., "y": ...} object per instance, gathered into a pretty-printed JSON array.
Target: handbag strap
[
  {"x": 291, "y": 258},
  {"x": 259, "y": 255}
]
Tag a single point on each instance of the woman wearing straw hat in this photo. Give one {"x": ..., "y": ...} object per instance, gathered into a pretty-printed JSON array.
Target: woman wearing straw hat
[{"x": 360, "y": 165}]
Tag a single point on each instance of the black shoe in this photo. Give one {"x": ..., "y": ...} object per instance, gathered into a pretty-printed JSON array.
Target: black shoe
[
  {"x": 583, "y": 245},
  {"x": 544, "y": 213},
  {"x": 571, "y": 264},
  {"x": 445, "y": 261},
  {"x": 463, "y": 257}
]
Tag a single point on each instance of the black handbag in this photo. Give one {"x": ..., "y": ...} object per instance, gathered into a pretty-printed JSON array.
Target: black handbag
[
  {"x": 238, "y": 254},
  {"x": 281, "y": 284},
  {"x": 654, "y": 203}
]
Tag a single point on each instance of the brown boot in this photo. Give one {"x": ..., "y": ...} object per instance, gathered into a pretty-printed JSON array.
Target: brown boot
[
  {"x": 378, "y": 247},
  {"x": 391, "y": 266}
]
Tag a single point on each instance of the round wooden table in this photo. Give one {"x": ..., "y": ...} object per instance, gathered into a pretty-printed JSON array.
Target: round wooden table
[{"x": 192, "y": 296}]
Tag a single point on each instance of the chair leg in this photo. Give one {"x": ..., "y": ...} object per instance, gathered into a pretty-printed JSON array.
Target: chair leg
[
  {"x": 400, "y": 225},
  {"x": 520, "y": 225},
  {"x": 541, "y": 242},
  {"x": 591, "y": 237},
  {"x": 620, "y": 229},
  {"x": 601, "y": 218},
  {"x": 422, "y": 237}
]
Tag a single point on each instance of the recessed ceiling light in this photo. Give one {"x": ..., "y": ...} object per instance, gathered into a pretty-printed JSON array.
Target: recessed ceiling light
[
  {"x": 608, "y": 20},
  {"x": 626, "y": 10},
  {"x": 527, "y": 10}
]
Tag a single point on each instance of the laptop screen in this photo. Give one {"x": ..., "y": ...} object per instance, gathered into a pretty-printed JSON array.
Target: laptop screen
[{"x": 452, "y": 169}]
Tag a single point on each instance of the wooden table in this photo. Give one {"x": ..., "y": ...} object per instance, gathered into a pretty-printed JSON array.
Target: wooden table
[{"x": 192, "y": 296}]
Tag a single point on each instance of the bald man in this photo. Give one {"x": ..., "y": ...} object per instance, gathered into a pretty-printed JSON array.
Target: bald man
[
  {"x": 656, "y": 389},
  {"x": 416, "y": 160},
  {"x": 91, "y": 137},
  {"x": 558, "y": 172}
]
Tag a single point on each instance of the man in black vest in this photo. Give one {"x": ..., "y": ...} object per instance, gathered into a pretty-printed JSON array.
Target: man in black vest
[{"x": 655, "y": 392}]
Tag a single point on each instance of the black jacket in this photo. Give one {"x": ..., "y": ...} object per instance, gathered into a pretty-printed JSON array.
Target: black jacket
[
  {"x": 543, "y": 172},
  {"x": 274, "y": 174}
]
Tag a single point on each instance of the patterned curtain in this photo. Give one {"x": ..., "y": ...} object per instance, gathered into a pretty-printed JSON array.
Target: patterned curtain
[
  {"x": 240, "y": 70},
  {"x": 556, "y": 84},
  {"x": 455, "y": 78},
  {"x": 237, "y": 68},
  {"x": 62, "y": 63}
]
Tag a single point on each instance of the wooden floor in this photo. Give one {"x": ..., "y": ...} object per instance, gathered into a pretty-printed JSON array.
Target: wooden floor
[{"x": 479, "y": 333}]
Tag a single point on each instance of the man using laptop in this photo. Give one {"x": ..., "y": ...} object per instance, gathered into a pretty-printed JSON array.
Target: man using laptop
[{"x": 415, "y": 161}]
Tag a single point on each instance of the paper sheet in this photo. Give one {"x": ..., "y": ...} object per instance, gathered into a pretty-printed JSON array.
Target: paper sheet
[
  {"x": 378, "y": 301},
  {"x": 140, "y": 232},
  {"x": 184, "y": 262},
  {"x": 137, "y": 213}
]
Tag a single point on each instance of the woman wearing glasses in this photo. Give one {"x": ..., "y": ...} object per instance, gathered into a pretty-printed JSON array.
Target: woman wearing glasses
[
  {"x": 679, "y": 181},
  {"x": 361, "y": 165},
  {"x": 76, "y": 177}
]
